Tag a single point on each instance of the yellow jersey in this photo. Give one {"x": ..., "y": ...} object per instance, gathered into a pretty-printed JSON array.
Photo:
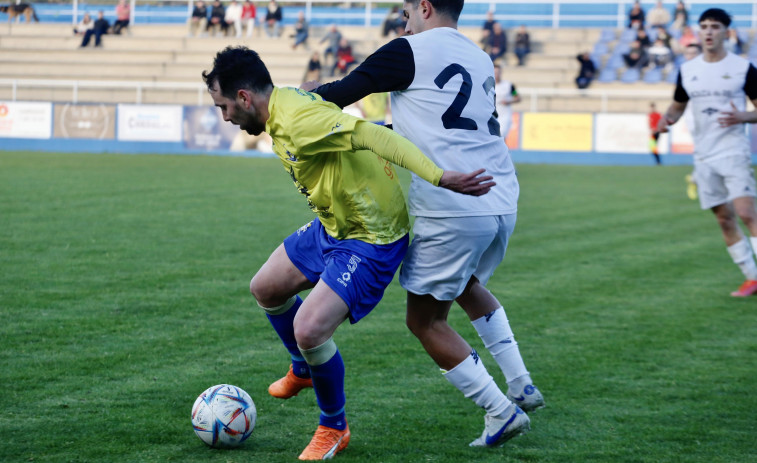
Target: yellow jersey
[{"x": 355, "y": 193}]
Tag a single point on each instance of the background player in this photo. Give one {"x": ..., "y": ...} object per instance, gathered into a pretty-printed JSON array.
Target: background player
[
  {"x": 350, "y": 254},
  {"x": 507, "y": 95},
  {"x": 443, "y": 100},
  {"x": 716, "y": 84},
  {"x": 654, "y": 133}
]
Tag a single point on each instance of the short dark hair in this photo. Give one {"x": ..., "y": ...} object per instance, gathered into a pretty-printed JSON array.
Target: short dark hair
[
  {"x": 238, "y": 68},
  {"x": 451, "y": 8},
  {"x": 716, "y": 14},
  {"x": 694, "y": 45}
]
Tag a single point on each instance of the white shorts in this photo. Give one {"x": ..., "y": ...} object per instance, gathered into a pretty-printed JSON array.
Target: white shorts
[
  {"x": 446, "y": 252},
  {"x": 724, "y": 180}
]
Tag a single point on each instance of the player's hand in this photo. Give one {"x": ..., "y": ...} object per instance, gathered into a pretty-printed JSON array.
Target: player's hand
[
  {"x": 468, "y": 184},
  {"x": 662, "y": 126},
  {"x": 310, "y": 85},
  {"x": 729, "y": 118}
]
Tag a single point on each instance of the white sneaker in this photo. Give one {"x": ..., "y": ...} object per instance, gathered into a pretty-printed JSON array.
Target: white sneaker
[
  {"x": 498, "y": 431},
  {"x": 529, "y": 398}
]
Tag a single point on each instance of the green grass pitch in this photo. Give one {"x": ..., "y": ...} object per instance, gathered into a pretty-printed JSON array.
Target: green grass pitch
[{"x": 124, "y": 294}]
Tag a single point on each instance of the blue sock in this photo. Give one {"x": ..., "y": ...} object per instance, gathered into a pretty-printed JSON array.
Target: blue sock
[
  {"x": 283, "y": 324},
  {"x": 328, "y": 382}
]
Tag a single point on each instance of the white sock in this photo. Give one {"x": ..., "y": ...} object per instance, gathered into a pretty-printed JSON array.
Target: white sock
[
  {"x": 471, "y": 378},
  {"x": 753, "y": 240},
  {"x": 497, "y": 336},
  {"x": 741, "y": 254}
]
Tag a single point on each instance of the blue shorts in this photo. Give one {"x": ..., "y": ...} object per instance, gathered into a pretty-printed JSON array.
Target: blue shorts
[{"x": 357, "y": 271}]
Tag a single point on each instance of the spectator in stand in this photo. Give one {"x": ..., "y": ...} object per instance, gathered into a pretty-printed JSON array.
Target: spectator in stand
[
  {"x": 489, "y": 23},
  {"x": 587, "y": 71},
  {"x": 217, "y": 23},
  {"x": 733, "y": 41},
  {"x": 313, "y": 69},
  {"x": 643, "y": 38},
  {"x": 84, "y": 25},
  {"x": 497, "y": 42},
  {"x": 522, "y": 45},
  {"x": 332, "y": 37},
  {"x": 100, "y": 27},
  {"x": 663, "y": 34},
  {"x": 637, "y": 57},
  {"x": 301, "y": 31},
  {"x": 658, "y": 16},
  {"x": 688, "y": 36},
  {"x": 636, "y": 16},
  {"x": 393, "y": 23},
  {"x": 233, "y": 18},
  {"x": 248, "y": 16},
  {"x": 123, "y": 15},
  {"x": 679, "y": 22},
  {"x": 199, "y": 19},
  {"x": 273, "y": 18},
  {"x": 681, "y": 13},
  {"x": 344, "y": 57},
  {"x": 660, "y": 56},
  {"x": 486, "y": 30}
]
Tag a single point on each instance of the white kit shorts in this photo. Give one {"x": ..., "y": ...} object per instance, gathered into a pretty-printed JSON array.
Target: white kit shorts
[{"x": 446, "y": 252}]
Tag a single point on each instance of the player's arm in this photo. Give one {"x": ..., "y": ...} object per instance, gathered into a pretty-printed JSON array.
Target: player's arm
[
  {"x": 388, "y": 69},
  {"x": 676, "y": 108},
  {"x": 399, "y": 150},
  {"x": 734, "y": 117}
]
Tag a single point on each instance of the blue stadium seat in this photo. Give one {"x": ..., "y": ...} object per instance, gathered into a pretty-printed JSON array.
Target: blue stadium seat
[
  {"x": 653, "y": 76},
  {"x": 672, "y": 76},
  {"x": 607, "y": 35},
  {"x": 628, "y": 35},
  {"x": 597, "y": 59},
  {"x": 615, "y": 61},
  {"x": 601, "y": 48},
  {"x": 630, "y": 76},
  {"x": 743, "y": 35},
  {"x": 607, "y": 75},
  {"x": 622, "y": 48}
]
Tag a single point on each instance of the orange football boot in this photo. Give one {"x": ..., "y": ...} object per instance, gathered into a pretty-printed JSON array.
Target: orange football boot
[
  {"x": 289, "y": 386},
  {"x": 326, "y": 443}
]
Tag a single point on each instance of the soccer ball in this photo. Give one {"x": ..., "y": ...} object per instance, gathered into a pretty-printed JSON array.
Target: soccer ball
[{"x": 223, "y": 416}]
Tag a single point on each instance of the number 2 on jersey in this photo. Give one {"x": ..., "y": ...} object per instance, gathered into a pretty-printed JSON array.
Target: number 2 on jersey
[{"x": 452, "y": 117}]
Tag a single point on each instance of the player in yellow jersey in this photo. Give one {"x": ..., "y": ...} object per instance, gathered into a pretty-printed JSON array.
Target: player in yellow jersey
[{"x": 350, "y": 254}]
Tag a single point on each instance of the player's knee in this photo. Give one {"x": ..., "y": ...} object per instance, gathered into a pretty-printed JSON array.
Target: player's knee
[
  {"x": 307, "y": 335},
  {"x": 263, "y": 293},
  {"x": 419, "y": 326},
  {"x": 747, "y": 215},
  {"x": 727, "y": 221}
]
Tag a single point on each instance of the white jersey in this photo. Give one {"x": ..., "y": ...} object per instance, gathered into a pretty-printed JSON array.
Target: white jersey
[
  {"x": 448, "y": 112},
  {"x": 709, "y": 89},
  {"x": 504, "y": 90}
]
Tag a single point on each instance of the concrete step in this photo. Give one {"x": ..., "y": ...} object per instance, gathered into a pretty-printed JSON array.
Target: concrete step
[
  {"x": 10, "y": 56},
  {"x": 42, "y": 70}
]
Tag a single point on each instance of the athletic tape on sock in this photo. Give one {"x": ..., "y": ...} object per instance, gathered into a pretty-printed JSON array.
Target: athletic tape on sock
[
  {"x": 279, "y": 309},
  {"x": 320, "y": 354}
]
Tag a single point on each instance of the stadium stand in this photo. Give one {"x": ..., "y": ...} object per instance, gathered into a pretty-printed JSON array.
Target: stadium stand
[{"x": 170, "y": 63}]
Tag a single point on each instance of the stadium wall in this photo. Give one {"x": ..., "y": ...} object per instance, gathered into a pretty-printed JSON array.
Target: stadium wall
[{"x": 569, "y": 138}]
